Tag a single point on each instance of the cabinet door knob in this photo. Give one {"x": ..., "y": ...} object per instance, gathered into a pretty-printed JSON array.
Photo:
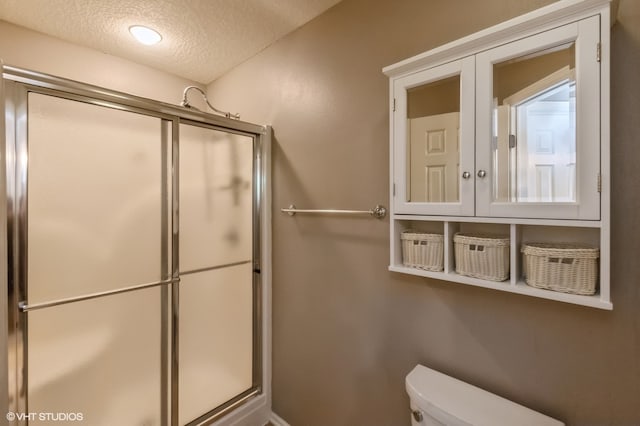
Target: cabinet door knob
[
  {"x": 481, "y": 173},
  {"x": 466, "y": 175}
]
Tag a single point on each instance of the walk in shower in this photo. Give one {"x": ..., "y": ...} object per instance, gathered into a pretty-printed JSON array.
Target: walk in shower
[{"x": 134, "y": 255}]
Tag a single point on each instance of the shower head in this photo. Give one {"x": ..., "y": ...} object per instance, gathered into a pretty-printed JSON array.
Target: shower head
[{"x": 185, "y": 103}]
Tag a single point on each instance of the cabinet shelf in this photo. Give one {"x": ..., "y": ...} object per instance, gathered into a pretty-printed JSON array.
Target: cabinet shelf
[
  {"x": 506, "y": 220},
  {"x": 519, "y": 232},
  {"x": 520, "y": 287}
]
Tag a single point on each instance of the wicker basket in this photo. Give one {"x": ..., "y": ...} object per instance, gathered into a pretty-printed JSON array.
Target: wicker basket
[
  {"x": 483, "y": 256},
  {"x": 423, "y": 250},
  {"x": 569, "y": 268}
]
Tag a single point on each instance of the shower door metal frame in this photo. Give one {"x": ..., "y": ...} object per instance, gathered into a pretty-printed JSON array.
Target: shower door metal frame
[{"x": 17, "y": 84}]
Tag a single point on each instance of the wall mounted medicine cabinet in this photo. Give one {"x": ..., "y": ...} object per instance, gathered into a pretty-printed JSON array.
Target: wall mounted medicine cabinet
[{"x": 506, "y": 132}]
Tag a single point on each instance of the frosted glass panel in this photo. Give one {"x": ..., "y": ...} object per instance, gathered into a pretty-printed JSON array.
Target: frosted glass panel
[
  {"x": 100, "y": 358},
  {"x": 215, "y": 338},
  {"x": 215, "y": 198},
  {"x": 94, "y": 198}
]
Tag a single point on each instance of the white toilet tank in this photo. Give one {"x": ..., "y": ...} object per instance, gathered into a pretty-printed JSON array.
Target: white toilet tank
[{"x": 437, "y": 400}]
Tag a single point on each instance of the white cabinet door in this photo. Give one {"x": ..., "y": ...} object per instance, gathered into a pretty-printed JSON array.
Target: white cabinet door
[
  {"x": 433, "y": 132},
  {"x": 538, "y": 125}
]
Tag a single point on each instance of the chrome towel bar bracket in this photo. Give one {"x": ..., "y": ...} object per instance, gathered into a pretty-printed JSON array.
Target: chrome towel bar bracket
[{"x": 379, "y": 212}]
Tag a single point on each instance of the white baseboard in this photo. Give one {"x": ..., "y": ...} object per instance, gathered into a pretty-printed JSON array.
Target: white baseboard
[{"x": 277, "y": 420}]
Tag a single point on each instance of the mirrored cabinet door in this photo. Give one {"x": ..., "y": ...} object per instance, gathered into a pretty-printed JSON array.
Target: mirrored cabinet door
[
  {"x": 434, "y": 129},
  {"x": 538, "y": 134}
]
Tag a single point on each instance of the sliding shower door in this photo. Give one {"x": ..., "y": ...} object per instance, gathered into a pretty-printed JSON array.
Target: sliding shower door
[
  {"x": 216, "y": 289},
  {"x": 93, "y": 226},
  {"x": 134, "y": 284}
]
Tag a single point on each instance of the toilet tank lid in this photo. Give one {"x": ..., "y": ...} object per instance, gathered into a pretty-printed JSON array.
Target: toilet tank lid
[{"x": 444, "y": 397}]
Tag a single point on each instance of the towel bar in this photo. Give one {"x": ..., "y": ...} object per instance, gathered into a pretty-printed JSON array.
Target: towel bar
[{"x": 378, "y": 211}]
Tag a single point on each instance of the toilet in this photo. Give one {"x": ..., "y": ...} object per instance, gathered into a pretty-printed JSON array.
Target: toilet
[{"x": 440, "y": 400}]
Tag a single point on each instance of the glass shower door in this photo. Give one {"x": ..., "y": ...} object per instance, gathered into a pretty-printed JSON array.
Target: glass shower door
[
  {"x": 95, "y": 201},
  {"x": 216, "y": 318}
]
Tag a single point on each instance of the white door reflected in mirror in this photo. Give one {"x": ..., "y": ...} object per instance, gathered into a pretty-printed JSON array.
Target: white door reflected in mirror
[
  {"x": 433, "y": 141},
  {"x": 535, "y": 127},
  {"x": 434, "y": 158}
]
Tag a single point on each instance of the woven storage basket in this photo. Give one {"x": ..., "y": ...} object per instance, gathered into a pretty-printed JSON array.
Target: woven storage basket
[
  {"x": 483, "y": 256},
  {"x": 423, "y": 250},
  {"x": 569, "y": 268}
]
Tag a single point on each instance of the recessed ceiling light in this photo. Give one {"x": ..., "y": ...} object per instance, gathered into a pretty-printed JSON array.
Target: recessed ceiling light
[{"x": 145, "y": 35}]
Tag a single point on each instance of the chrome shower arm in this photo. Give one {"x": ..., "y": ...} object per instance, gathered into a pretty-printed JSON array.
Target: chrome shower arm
[{"x": 185, "y": 103}]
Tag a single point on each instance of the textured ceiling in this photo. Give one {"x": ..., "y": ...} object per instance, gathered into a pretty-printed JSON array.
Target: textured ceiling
[{"x": 202, "y": 39}]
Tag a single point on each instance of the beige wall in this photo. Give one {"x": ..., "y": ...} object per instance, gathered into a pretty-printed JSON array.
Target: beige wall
[
  {"x": 512, "y": 77},
  {"x": 345, "y": 330},
  {"x": 438, "y": 97}
]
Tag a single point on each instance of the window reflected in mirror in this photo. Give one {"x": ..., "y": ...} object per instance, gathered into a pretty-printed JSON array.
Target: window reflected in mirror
[
  {"x": 433, "y": 148},
  {"x": 534, "y": 127}
]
